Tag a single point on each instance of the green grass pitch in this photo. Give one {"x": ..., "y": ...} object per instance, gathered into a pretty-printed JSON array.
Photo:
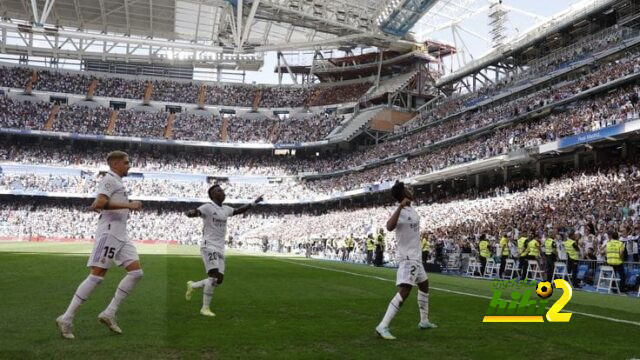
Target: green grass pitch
[{"x": 282, "y": 308}]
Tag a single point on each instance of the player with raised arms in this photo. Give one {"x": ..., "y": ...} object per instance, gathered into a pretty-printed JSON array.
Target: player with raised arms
[
  {"x": 406, "y": 222},
  {"x": 214, "y": 218},
  {"x": 112, "y": 246}
]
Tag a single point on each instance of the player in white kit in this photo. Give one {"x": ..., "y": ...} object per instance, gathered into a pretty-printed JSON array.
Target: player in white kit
[
  {"x": 214, "y": 218},
  {"x": 406, "y": 222},
  {"x": 111, "y": 246}
]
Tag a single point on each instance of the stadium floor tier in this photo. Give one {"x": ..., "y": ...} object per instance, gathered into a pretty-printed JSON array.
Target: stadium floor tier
[{"x": 280, "y": 308}]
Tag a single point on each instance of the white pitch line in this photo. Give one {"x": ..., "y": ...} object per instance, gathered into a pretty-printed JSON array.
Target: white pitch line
[{"x": 456, "y": 292}]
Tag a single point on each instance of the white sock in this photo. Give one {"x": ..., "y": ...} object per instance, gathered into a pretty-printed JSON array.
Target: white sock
[
  {"x": 207, "y": 293},
  {"x": 126, "y": 285},
  {"x": 392, "y": 310},
  {"x": 81, "y": 295},
  {"x": 423, "y": 306},
  {"x": 199, "y": 284}
]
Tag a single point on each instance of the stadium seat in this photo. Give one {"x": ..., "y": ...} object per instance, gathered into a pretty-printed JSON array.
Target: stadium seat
[
  {"x": 491, "y": 270},
  {"x": 560, "y": 271},
  {"x": 607, "y": 279},
  {"x": 453, "y": 263},
  {"x": 509, "y": 269},
  {"x": 474, "y": 266},
  {"x": 533, "y": 270}
]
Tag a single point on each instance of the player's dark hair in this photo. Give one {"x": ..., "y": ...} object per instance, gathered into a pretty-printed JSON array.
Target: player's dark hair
[
  {"x": 211, "y": 189},
  {"x": 614, "y": 235},
  {"x": 397, "y": 191}
]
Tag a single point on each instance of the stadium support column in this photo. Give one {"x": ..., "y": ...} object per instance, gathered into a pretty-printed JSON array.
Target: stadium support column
[
  {"x": 539, "y": 169},
  {"x": 505, "y": 174},
  {"x": 576, "y": 161},
  {"x": 379, "y": 68},
  {"x": 284, "y": 61},
  {"x": 279, "y": 67}
]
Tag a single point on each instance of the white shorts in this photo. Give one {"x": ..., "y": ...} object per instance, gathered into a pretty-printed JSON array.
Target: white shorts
[
  {"x": 212, "y": 259},
  {"x": 108, "y": 250},
  {"x": 410, "y": 272}
]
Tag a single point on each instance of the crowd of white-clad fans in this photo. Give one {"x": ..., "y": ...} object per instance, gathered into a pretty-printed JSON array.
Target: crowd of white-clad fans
[
  {"x": 164, "y": 188},
  {"x": 549, "y": 64},
  {"x": 240, "y": 95},
  {"x": 197, "y": 126},
  {"x": 588, "y": 203},
  {"x": 585, "y": 115}
]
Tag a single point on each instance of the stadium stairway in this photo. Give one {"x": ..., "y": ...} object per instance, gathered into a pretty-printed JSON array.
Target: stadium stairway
[
  {"x": 202, "y": 96},
  {"x": 112, "y": 122},
  {"x": 168, "y": 129},
  {"x": 224, "y": 134},
  {"x": 355, "y": 125},
  {"x": 392, "y": 85},
  {"x": 147, "y": 93},
  {"x": 53, "y": 115},
  {"x": 32, "y": 80},
  {"x": 256, "y": 100},
  {"x": 274, "y": 132},
  {"x": 92, "y": 88}
]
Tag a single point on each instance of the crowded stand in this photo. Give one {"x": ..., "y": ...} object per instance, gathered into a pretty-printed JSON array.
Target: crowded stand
[
  {"x": 590, "y": 114},
  {"x": 18, "y": 114},
  {"x": 140, "y": 124},
  {"x": 197, "y": 127},
  {"x": 244, "y": 130},
  {"x": 188, "y": 126},
  {"x": 279, "y": 97},
  {"x": 560, "y": 59},
  {"x": 165, "y": 188},
  {"x": 82, "y": 119},
  {"x": 586, "y": 115},
  {"x": 573, "y": 203},
  {"x": 240, "y": 95}
]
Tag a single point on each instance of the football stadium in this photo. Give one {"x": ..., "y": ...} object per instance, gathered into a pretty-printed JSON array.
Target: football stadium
[{"x": 319, "y": 179}]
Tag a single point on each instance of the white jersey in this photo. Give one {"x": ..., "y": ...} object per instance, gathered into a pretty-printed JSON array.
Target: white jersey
[
  {"x": 408, "y": 235},
  {"x": 214, "y": 219},
  {"x": 113, "y": 222}
]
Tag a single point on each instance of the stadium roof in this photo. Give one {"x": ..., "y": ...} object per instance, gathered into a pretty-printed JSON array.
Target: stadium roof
[
  {"x": 215, "y": 32},
  {"x": 218, "y": 24}
]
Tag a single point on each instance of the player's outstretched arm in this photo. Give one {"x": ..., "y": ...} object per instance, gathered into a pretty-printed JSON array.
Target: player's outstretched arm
[
  {"x": 393, "y": 220},
  {"x": 102, "y": 203},
  {"x": 193, "y": 213},
  {"x": 244, "y": 208}
]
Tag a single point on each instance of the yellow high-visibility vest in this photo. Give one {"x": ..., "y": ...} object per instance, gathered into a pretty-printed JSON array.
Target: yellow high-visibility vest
[
  {"x": 425, "y": 244},
  {"x": 370, "y": 244},
  {"x": 504, "y": 244},
  {"x": 613, "y": 252},
  {"x": 533, "y": 248},
  {"x": 549, "y": 249},
  {"x": 522, "y": 241},
  {"x": 484, "y": 249},
  {"x": 573, "y": 254}
]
